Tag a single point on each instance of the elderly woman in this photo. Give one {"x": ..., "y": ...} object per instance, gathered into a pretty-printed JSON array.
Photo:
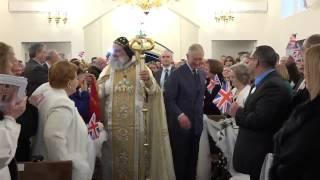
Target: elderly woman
[
  {"x": 296, "y": 150},
  {"x": 240, "y": 78},
  {"x": 9, "y": 129},
  {"x": 62, "y": 133}
]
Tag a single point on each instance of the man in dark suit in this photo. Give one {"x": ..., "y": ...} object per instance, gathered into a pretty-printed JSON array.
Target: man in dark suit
[
  {"x": 184, "y": 92},
  {"x": 36, "y": 74},
  {"x": 35, "y": 71},
  {"x": 167, "y": 68},
  {"x": 265, "y": 110}
]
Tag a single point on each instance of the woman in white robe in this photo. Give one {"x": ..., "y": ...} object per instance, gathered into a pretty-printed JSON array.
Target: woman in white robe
[
  {"x": 9, "y": 129},
  {"x": 9, "y": 134},
  {"x": 62, "y": 134}
]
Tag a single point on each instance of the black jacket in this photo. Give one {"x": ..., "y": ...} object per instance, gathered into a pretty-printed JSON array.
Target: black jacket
[
  {"x": 209, "y": 107},
  {"x": 296, "y": 147},
  {"x": 36, "y": 74},
  {"x": 264, "y": 112}
]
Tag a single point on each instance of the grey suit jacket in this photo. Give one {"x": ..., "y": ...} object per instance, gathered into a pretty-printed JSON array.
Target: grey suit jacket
[{"x": 184, "y": 95}]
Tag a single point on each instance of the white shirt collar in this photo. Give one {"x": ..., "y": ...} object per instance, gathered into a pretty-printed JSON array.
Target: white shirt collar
[
  {"x": 48, "y": 65},
  {"x": 191, "y": 69},
  {"x": 169, "y": 68}
]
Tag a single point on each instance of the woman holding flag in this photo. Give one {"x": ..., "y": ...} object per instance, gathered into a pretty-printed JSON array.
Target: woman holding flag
[
  {"x": 218, "y": 137},
  {"x": 240, "y": 78},
  {"x": 214, "y": 83}
]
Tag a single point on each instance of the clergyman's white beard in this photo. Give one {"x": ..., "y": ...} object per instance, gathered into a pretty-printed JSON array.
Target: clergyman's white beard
[{"x": 120, "y": 63}]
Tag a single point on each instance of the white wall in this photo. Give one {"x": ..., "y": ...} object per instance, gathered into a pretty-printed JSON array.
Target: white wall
[
  {"x": 162, "y": 25},
  {"x": 231, "y": 47},
  {"x": 267, "y": 28},
  {"x": 64, "y": 48},
  {"x": 32, "y": 27},
  {"x": 279, "y": 29},
  {"x": 93, "y": 39},
  {"x": 245, "y": 27}
]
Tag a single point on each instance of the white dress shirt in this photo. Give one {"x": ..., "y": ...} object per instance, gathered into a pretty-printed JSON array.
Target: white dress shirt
[
  {"x": 163, "y": 75},
  {"x": 48, "y": 65}
]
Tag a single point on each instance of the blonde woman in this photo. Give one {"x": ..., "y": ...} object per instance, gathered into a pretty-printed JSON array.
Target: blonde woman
[
  {"x": 296, "y": 148},
  {"x": 283, "y": 72}
]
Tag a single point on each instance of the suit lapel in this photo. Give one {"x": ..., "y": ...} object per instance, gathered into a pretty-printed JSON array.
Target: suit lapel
[
  {"x": 188, "y": 72},
  {"x": 254, "y": 92}
]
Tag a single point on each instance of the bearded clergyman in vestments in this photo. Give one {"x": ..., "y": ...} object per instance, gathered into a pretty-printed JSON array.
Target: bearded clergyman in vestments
[{"x": 123, "y": 87}]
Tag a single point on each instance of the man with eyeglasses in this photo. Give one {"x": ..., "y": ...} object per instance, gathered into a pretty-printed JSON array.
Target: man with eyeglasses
[{"x": 262, "y": 115}]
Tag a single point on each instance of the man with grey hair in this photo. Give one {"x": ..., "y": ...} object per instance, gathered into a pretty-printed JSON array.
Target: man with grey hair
[
  {"x": 35, "y": 72},
  {"x": 263, "y": 114},
  {"x": 184, "y": 92},
  {"x": 53, "y": 57}
]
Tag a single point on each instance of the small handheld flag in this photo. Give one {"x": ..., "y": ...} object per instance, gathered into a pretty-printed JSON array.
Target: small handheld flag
[
  {"x": 94, "y": 105},
  {"x": 223, "y": 99},
  {"x": 213, "y": 82},
  {"x": 93, "y": 127}
]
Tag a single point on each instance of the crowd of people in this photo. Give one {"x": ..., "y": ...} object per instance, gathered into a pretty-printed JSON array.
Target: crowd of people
[{"x": 166, "y": 108}]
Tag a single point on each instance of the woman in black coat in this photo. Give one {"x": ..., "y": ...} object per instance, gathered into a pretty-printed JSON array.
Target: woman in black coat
[
  {"x": 297, "y": 151},
  {"x": 214, "y": 68}
]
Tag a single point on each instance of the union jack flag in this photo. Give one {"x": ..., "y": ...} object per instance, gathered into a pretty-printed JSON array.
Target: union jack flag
[
  {"x": 223, "y": 99},
  {"x": 213, "y": 83},
  {"x": 81, "y": 54},
  {"x": 93, "y": 127}
]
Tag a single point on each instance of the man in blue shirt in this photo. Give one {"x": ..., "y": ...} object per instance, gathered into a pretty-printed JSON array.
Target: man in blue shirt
[{"x": 265, "y": 110}]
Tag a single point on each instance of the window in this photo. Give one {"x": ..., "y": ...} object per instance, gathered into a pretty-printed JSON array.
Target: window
[{"x": 291, "y": 7}]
